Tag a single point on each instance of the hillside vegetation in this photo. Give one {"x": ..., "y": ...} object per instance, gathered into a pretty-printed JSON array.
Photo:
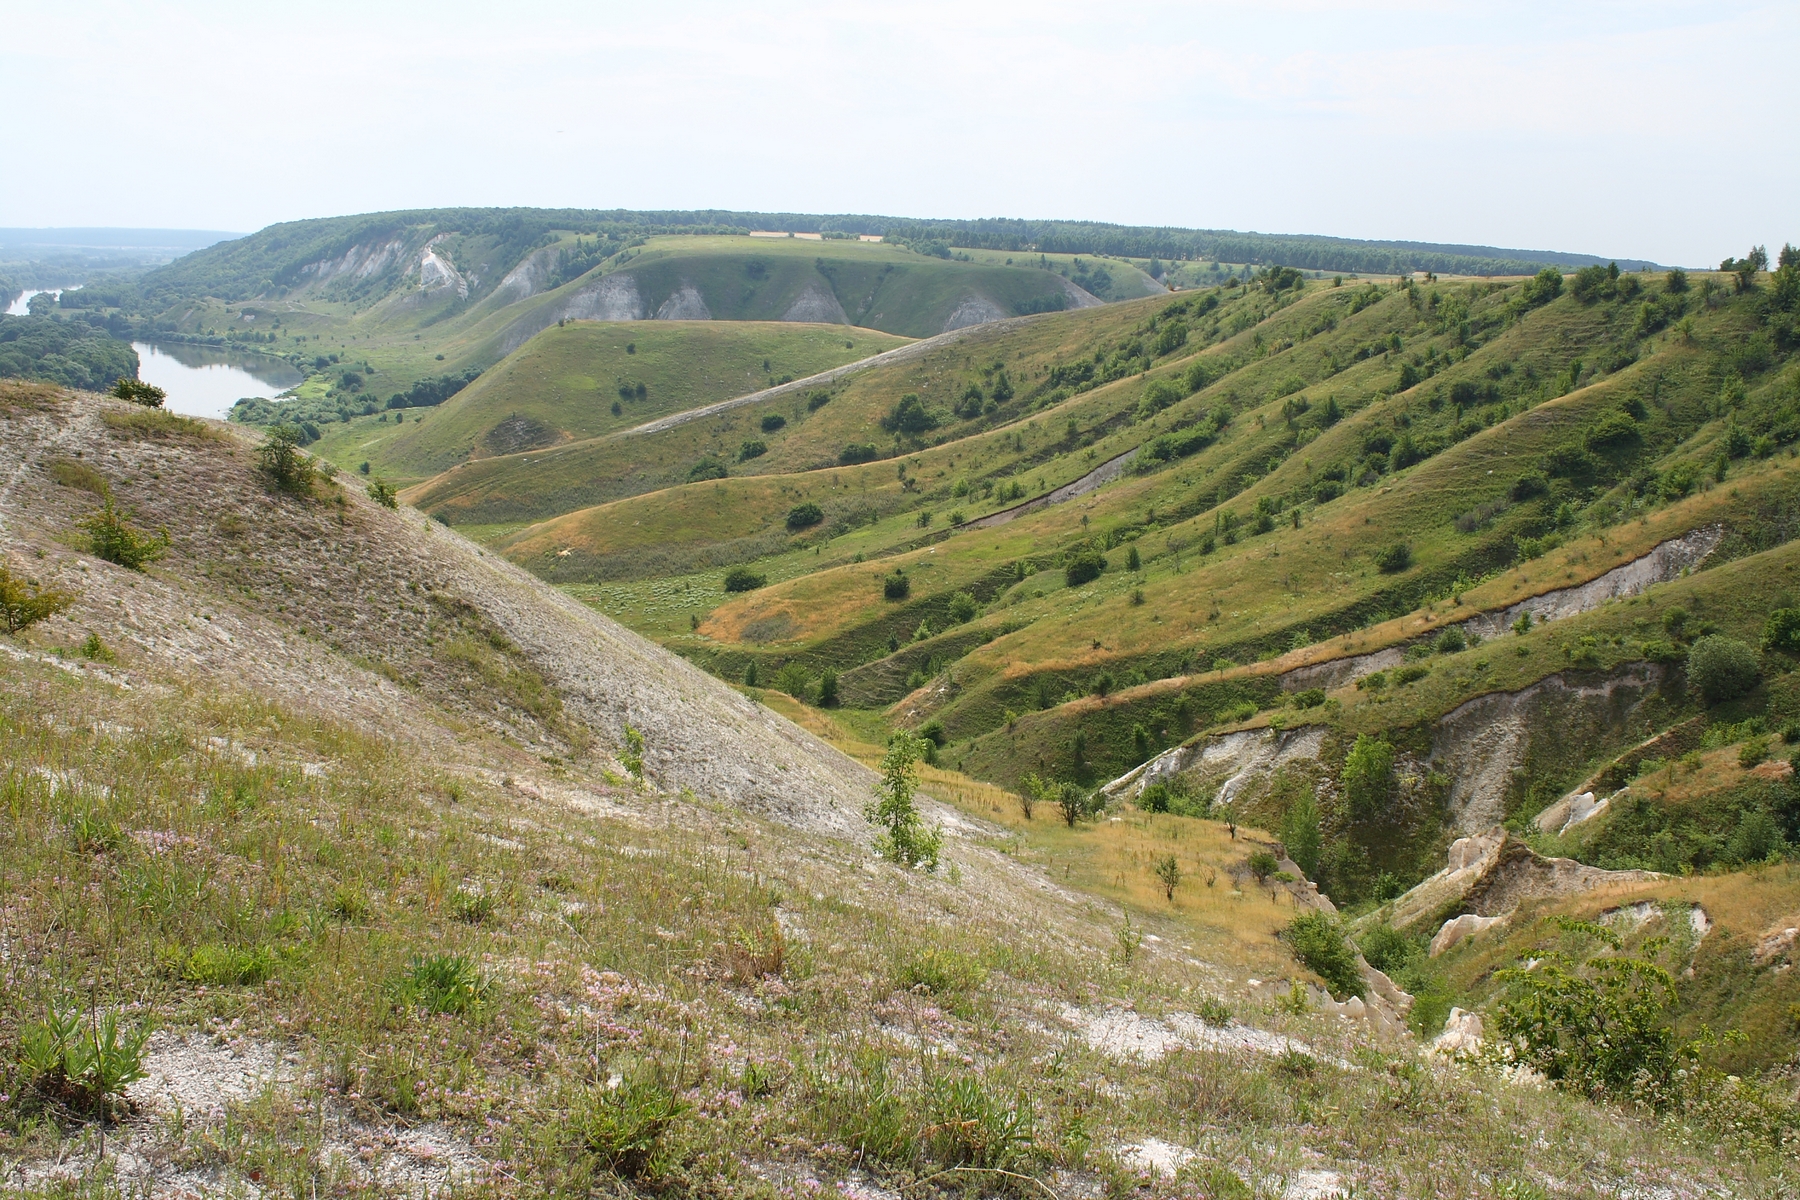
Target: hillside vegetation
[
  {"x": 586, "y": 379},
  {"x": 345, "y": 859},
  {"x": 1293, "y": 486}
]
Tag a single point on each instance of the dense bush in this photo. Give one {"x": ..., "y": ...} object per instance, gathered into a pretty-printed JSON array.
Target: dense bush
[
  {"x": 707, "y": 468},
  {"x": 909, "y": 417},
  {"x": 773, "y": 421},
  {"x": 743, "y": 579},
  {"x": 24, "y": 603},
  {"x": 896, "y": 586},
  {"x": 1781, "y": 630},
  {"x": 287, "y": 469},
  {"x": 112, "y": 537},
  {"x": 1319, "y": 942},
  {"x": 1721, "y": 668},
  {"x": 1084, "y": 566},
  {"x": 753, "y": 448},
  {"x": 1595, "y": 1028},
  {"x": 139, "y": 392},
  {"x": 804, "y": 516},
  {"x": 1368, "y": 776},
  {"x": 858, "y": 452},
  {"x": 1391, "y": 560}
]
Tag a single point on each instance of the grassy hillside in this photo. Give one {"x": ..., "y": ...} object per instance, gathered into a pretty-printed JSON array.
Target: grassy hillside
[
  {"x": 813, "y": 439},
  {"x": 392, "y": 871},
  {"x": 1321, "y": 472},
  {"x": 583, "y": 380}
]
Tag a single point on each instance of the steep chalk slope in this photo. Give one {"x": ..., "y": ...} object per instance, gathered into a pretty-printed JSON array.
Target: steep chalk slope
[{"x": 368, "y": 612}]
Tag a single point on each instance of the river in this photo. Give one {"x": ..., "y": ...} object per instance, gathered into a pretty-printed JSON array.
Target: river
[
  {"x": 203, "y": 382},
  {"x": 21, "y": 306}
]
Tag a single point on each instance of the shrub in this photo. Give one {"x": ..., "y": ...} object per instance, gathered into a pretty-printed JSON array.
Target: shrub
[
  {"x": 1374, "y": 681},
  {"x": 1168, "y": 874},
  {"x": 112, "y": 537},
  {"x": 804, "y": 516},
  {"x": 1154, "y": 798},
  {"x": 1262, "y": 864},
  {"x": 1309, "y": 698},
  {"x": 963, "y": 607},
  {"x": 87, "y": 1069},
  {"x": 707, "y": 468},
  {"x": 743, "y": 579},
  {"x": 1301, "y": 835},
  {"x": 139, "y": 392},
  {"x": 1529, "y": 486},
  {"x": 1781, "y": 630},
  {"x": 441, "y": 983},
  {"x": 1757, "y": 836},
  {"x": 794, "y": 680},
  {"x": 1451, "y": 641},
  {"x": 1368, "y": 776},
  {"x": 752, "y": 448},
  {"x": 1596, "y": 1028},
  {"x": 384, "y": 494},
  {"x": 1387, "y": 949},
  {"x": 1319, "y": 942},
  {"x": 24, "y": 603},
  {"x": 1393, "y": 559},
  {"x": 773, "y": 421},
  {"x": 1073, "y": 802},
  {"x": 1133, "y": 560},
  {"x": 909, "y": 416},
  {"x": 1084, "y": 566},
  {"x": 623, "y": 1127},
  {"x": 858, "y": 452},
  {"x": 896, "y": 586},
  {"x": 1721, "y": 668},
  {"x": 828, "y": 688},
  {"x": 1410, "y": 673},
  {"x": 905, "y": 838},
  {"x": 287, "y": 469},
  {"x": 817, "y": 400}
]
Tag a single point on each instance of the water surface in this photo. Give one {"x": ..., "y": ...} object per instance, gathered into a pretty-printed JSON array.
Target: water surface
[{"x": 203, "y": 382}]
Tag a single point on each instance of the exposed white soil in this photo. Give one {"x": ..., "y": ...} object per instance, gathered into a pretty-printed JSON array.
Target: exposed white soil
[
  {"x": 367, "y": 590},
  {"x": 817, "y": 306},
  {"x": 1482, "y": 744},
  {"x": 1101, "y": 475},
  {"x": 1079, "y": 297},
  {"x": 1124, "y": 1034},
  {"x": 193, "y": 1080},
  {"x": 610, "y": 298},
  {"x": 436, "y": 274},
  {"x": 529, "y": 277},
  {"x": 1490, "y": 875},
  {"x": 973, "y": 310},
  {"x": 686, "y": 304},
  {"x": 1662, "y": 564},
  {"x": 1154, "y": 1157},
  {"x": 361, "y": 260}
]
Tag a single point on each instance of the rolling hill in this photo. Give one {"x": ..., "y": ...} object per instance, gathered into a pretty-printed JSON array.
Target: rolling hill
[
  {"x": 586, "y": 379},
  {"x": 344, "y": 857}
]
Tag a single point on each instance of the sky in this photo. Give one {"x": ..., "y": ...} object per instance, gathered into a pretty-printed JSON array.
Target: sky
[{"x": 1650, "y": 129}]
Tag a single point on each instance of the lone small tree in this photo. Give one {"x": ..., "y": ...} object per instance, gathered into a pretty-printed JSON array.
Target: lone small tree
[
  {"x": 112, "y": 536},
  {"x": 1168, "y": 873},
  {"x": 139, "y": 392},
  {"x": 290, "y": 471},
  {"x": 905, "y": 838},
  {"x": 383, "y": 493},
  {"x": 23, "y": 603},
  {"x": 1073, "y": 802}
]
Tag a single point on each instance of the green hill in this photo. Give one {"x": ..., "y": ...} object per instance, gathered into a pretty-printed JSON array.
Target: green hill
[
  {"x": 815, "y": 435},
  {"x": 586, "y": 379},
  {"x": 1319, "y": 473}
]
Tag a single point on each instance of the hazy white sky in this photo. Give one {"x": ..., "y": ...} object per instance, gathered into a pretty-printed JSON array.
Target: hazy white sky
[{"x": 1654, "y": 129}]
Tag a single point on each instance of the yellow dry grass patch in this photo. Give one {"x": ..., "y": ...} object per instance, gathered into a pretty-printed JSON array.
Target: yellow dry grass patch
[{"x": 1116, "y": 858}]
